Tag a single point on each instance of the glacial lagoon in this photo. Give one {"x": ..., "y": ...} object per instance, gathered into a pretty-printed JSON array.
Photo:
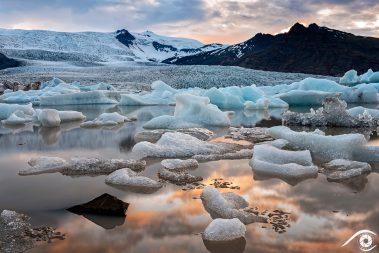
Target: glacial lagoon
[{"x": 322, "y": 214}]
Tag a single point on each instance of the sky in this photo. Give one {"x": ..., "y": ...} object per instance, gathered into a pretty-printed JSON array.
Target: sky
[{"x": 222, "y": 21}]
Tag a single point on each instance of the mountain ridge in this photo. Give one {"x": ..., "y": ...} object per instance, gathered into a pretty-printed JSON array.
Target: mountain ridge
[{"x": 312, "y": 50}]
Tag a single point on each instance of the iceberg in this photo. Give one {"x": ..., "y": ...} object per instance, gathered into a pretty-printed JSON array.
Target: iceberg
[
  {"x": 305, "y": 97},
  {"x": 79, "y": 166},
  {"x": 178, "y": 145},
  {"x": 107, "y": 119},
  {"x": 219, "y": 206},
  {"x": 129, "y": 180},
  {"x": 17, "y": 118},
  {"x": 350, "y": 78},
  {"x": 191, "y": 111},
  {"x": 323, "y": 147},
  {"x": 271, "y": 161},
  {"x": 154, "y": 135},
  {"x": 80, "y": 98},
  {"x": 6, "y": 110},
  {"x": 48, "y": 117},
  {"x": 340, "y": 169},
  {"x": 179, "y": 165},
  {"x": 162, "y": 94},
  {"x": 334, "y": 113},
  {"x": 224, "y": 230},
  {"x": 178, "y": 177}
]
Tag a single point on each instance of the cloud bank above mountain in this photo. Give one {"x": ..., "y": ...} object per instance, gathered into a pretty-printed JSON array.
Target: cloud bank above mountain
[{"x": 225, "y": 21}]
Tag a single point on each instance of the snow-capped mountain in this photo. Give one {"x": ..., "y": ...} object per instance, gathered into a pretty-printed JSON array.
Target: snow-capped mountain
[{"x": 96, "y": 46}]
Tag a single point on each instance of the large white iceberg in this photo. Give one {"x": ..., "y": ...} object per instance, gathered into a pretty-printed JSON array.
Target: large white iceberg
[
  {"x": 53, "y": 118},
  {"x": 271, "y": 161},
  {"x": 322, "y": 146},
  {"x": 191, "y": 111}
]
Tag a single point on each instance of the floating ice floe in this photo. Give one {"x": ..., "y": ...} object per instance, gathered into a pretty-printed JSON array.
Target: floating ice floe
[
  {"x": 219, "y": 206},
  {"x": 6, "y": 110},
  {"x": 191, "y": 111},
  {"x": 53, "y": 118},
  {"x": 341, "y": 169},
  {"x": 235, "y": 155},
  {"x": 154, "y": 135},
  {"x": 224, "y": 230},
  {"x": 178, "y": 145},
  {"x": 179, "y": 164},
  {"x": 57, "y": 92},
  {"x": 334, "y": 114},
  {"x": 107, "y": 119},
  {"x": 351, "y": 77},
  {"x": 79, "y": 166},
  {"x": 254, "y": 134},
  {"x": 178, "y": 177},
  {"x": 272, "y": 161},
  {"x": 327, "y": 148},
  {"x": 17, "y": 118},
  {"x": 162, "y": 94},
  {"x": 130, "y": 180}
]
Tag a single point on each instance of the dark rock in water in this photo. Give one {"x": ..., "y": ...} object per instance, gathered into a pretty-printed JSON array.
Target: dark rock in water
[
  {"x": 235, "y": 246},
  {"x": 103, "y": 205},
  {"x": 106, "y": 222}
]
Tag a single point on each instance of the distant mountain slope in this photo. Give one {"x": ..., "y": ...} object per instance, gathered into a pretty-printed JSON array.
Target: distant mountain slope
[
  {"x": 5, "y": 62},
  {"x": 312, "y": 49},
  {"x": 95, "y": 46}
]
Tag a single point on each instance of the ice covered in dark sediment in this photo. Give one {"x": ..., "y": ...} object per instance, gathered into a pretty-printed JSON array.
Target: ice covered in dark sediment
[
  {"x": 79, "y": 166},
  {"x": 219, "y": 206}
]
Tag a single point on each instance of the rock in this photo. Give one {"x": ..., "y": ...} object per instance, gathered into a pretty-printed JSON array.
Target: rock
[
  {"x": 341, "y": 169},
  {"x": 80, "y": 166},
  {"x": 179, "y": 165},
  {"x": 129, "y": 180},
  {"x": 154, "y": 135},
  {"x": 254, "y": 134},
  {"x": 235, "y": 200},
  {"x": 179, "y": 178},
  {"x": 103, "y": 205},
  {"x": 224, "y": 230},
  {"x": 240, "y": 154}
]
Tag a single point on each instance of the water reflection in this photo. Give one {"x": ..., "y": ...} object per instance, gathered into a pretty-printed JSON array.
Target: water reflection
[
  {"x": 106, "y": 222},
  {"x": 323, "y": 214},
  {"x": 235, "y": 246}
]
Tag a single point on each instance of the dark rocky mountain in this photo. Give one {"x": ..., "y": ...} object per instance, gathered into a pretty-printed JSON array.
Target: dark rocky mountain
[
  {"x": 125, "y": 37},
  {"x": 6, "y": 62},
  {"x": 312, "y": 49}
]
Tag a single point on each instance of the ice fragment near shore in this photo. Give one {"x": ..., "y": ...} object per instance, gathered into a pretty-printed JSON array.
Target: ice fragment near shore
[
  {"x": 106, "y": 119},
  {"x": 224, "y": 230}
]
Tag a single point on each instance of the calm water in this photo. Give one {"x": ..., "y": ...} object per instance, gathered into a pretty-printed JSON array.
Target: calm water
[{"x": 323, "y": 215}]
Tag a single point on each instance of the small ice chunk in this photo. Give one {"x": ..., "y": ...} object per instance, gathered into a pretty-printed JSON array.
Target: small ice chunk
[
  {"x": 237, "y": 155},
  {"x": 349, "y": 78},
  {"x": 218, "y": 206},
  {"x": 179, "y": 164},
  {"x": 235, "y": 200},
  {"x": 68, "y": 116},
  {"x": 178, "y": 177},
  {"x": 341, "y": 169},
  {"x": 48, "y": 117},
  {"x": 45, "y": 164},
  {"x": 128, "y": 178},
  {"x": 106, "y": 119},
  {"x": 17, "y": 118},
  {"x": 224, "y": 230},
  {"x": 254, "y": 134},
  {"x": 7, "y": 109},
  {"x": 154, "y": 135}
]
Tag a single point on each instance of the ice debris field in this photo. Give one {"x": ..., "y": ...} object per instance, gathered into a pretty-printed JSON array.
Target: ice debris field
[{"x": 194, "y": 106}]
